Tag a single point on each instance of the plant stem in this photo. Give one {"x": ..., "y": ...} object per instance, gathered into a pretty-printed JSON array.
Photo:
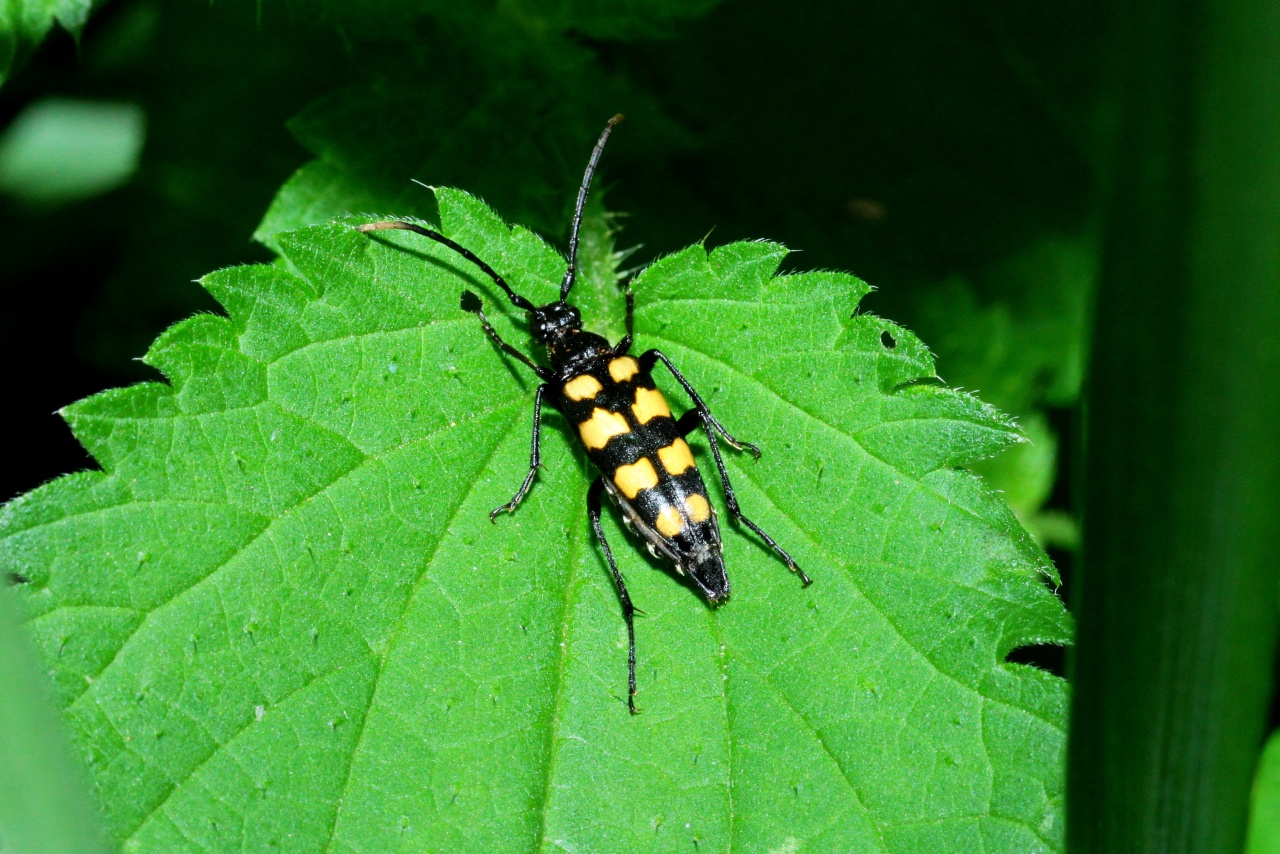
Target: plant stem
[{"x": 1177, "y": 594}]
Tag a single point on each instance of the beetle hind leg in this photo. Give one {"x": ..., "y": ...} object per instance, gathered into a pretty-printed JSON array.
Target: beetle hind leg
[
  {"x": 700, "y": 416},
  {"x": 651, "y": 357},
  {"x": 628, "y": 610}
]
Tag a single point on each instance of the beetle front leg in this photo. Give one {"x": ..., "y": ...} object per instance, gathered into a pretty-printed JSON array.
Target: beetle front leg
[
  {"x": 621, "y": 348},
  {"x": 535, "y": 458},
  {"x": 471, "y": 303}
]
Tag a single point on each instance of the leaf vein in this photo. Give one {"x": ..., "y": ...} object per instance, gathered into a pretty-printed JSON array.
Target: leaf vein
[
  {"x": 398, "y": 627},
  {"x": 248, "y": 722},
  {"x": 553, "y": 730},
  {"x": 270, "y": 522},
  {"x": 797, "y": 407}
]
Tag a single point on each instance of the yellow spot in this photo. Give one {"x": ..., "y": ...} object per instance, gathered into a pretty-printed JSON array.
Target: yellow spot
[
  {"x": 649, "y": 405},
  {"x": 583, "y": 387},
  {"x": 670, "y": 522},
  {"x": 635, "y": 477},
  {"x": 676, "y": 457},
  {"x": 603, "y": 425},
  {"x": 623, "y": 368},
  {"x": 697, "y": 508}
]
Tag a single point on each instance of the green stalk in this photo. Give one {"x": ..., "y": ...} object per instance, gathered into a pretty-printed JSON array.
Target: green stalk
[{"x": 1177, "y": 593}]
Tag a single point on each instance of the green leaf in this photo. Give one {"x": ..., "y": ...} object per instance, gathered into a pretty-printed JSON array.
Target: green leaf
[
  {"x": 1022, "y": 348},
  {"x": 280, "y": 615},
  {"x": 25, "y": 23}
]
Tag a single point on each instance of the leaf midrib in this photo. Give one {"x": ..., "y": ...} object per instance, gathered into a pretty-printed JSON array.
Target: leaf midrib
[
  {"x": 398, "y": 627},
  {"x": 562, "y": 656}
]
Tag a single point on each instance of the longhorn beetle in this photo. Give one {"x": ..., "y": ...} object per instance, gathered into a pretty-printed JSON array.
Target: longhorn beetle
[{"x": 625, "y": 425}]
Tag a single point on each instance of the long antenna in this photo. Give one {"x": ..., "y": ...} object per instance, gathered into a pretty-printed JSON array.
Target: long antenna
[
  {"x": 572, "y": 272},
  {"x": 516, "y": 299}
]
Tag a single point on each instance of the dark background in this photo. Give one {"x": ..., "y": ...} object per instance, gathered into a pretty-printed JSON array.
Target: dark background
[{"x": 914, "y": 148}]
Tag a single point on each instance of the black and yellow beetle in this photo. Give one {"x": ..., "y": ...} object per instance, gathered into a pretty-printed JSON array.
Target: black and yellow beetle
[{"x": 626, "y": 427}]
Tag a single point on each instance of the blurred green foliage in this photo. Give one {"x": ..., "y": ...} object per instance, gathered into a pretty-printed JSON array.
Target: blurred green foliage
[
  {"x": 24, "y": 23},
  {"x": 1173, "y": 667},
  {"x": 58, "y": 150},
  {"x": 43, "y": 806}
]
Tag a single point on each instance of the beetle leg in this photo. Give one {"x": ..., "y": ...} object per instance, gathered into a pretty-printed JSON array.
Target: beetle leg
[
  {"x": 473, "y": 305},
  {"x": 647, "y": 362},
  {"x": 535, "y": 459},
  {"x": 700, "y": 414},
  {"x": 628, "y": 610},
  {"x": 688, "y": 422},
  {"x": 621, "y": 348}
]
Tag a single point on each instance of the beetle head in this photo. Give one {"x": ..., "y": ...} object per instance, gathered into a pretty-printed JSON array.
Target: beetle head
[{"x": 554, "y": 321}]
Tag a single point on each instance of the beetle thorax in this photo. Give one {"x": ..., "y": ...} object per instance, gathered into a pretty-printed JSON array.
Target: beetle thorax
[
  {"x": 574, "y": 351},
  {"x": 558, "y": 327}
]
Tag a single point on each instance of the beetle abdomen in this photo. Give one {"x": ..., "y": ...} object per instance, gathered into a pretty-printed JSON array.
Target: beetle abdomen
[{"x": 630, "y": 434}]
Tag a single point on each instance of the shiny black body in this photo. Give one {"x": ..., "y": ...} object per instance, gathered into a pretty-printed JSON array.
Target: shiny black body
[
  {"x": 625, "y": 425},
  {"x": 694, "y": 547}
]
